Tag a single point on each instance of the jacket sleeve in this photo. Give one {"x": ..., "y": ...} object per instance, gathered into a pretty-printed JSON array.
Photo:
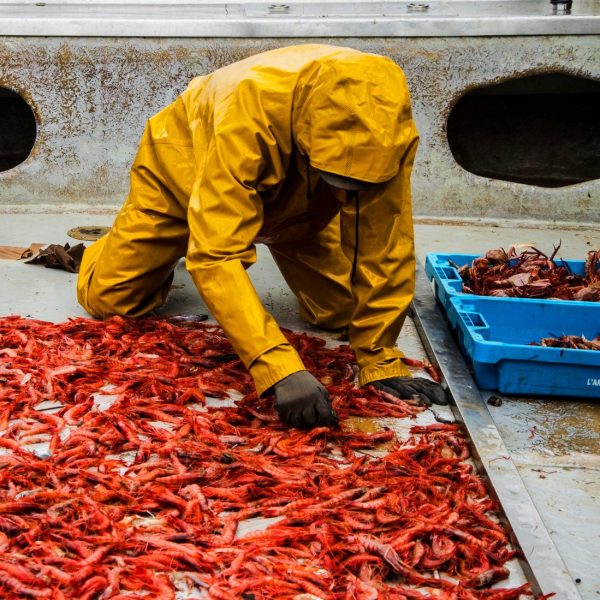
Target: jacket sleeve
[
  {"x": 385, "y": 273},
  {"x": 225, "y": 215}
]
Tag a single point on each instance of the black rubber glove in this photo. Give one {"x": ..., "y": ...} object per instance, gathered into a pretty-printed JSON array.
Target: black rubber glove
[
  {"x": 303, "y": 402},
  {"x": 428, "y": 391}
]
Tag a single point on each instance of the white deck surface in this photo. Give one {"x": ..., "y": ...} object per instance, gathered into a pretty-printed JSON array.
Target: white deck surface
[{"x": 554, "y": 443}]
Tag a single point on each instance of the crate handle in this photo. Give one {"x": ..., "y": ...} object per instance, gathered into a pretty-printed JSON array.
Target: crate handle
[
  {"x": 447, "y": 273},
  {"x": 474, "y": 319}
]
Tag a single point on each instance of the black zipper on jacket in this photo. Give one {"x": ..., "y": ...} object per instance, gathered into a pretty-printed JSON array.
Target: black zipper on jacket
[
  {"x": 308, "y": 190},
  {"x": 349, "y": 196}
]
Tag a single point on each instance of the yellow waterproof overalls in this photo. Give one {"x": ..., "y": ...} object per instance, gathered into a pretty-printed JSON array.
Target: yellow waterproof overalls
[{"x": 231, "y": 163}]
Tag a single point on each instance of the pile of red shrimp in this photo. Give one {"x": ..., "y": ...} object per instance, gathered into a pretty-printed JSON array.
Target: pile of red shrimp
[{"x": 119, "y": 480}]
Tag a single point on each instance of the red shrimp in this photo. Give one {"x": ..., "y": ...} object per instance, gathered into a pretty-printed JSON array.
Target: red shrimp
[{"x": 22, "y": 590}]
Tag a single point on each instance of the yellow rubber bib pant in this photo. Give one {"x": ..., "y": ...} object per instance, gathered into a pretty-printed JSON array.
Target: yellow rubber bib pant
[
  {"x": 129, "y": 271},
  {"x": 317, "y": 271}
]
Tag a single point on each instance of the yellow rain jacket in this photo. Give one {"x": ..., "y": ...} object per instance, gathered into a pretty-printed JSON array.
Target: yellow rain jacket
[{"x": 231, "y": 163}]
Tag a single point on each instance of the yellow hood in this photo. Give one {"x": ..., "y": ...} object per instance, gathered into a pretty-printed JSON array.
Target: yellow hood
[{"x": 350, "y": 116}]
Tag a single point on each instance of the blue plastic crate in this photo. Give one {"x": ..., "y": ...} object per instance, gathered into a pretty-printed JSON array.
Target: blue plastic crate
[
  {"x": 495, "y": 336},
  {"x": 448, "y": 283}
]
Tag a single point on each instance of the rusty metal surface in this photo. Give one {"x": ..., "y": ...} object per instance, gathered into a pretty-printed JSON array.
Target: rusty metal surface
[
  {"x": 88, "y": 232},
  {"x": 92, "y": 96},
  {"x": 555, "y": 445}
]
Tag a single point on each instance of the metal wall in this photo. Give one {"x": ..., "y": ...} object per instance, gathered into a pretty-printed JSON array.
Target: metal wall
[{"x": 91, "y": 97}]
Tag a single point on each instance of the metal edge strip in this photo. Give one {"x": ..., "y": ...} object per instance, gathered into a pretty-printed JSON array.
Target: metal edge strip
[
  {"x": 539, "y": 558},
  {"x": 201, "y": 26}
]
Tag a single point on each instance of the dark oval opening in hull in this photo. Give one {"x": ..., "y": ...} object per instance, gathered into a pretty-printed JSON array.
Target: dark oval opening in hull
[
  {"x": 17, "y": 129},
  {"x": 539, "y": 130}
]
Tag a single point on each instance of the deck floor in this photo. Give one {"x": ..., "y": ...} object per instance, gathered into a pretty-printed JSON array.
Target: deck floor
[{"x": 555, "y": 443}]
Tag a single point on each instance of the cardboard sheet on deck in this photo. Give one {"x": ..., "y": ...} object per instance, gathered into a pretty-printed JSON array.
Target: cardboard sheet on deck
[{"x": 18, "y": 252}]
